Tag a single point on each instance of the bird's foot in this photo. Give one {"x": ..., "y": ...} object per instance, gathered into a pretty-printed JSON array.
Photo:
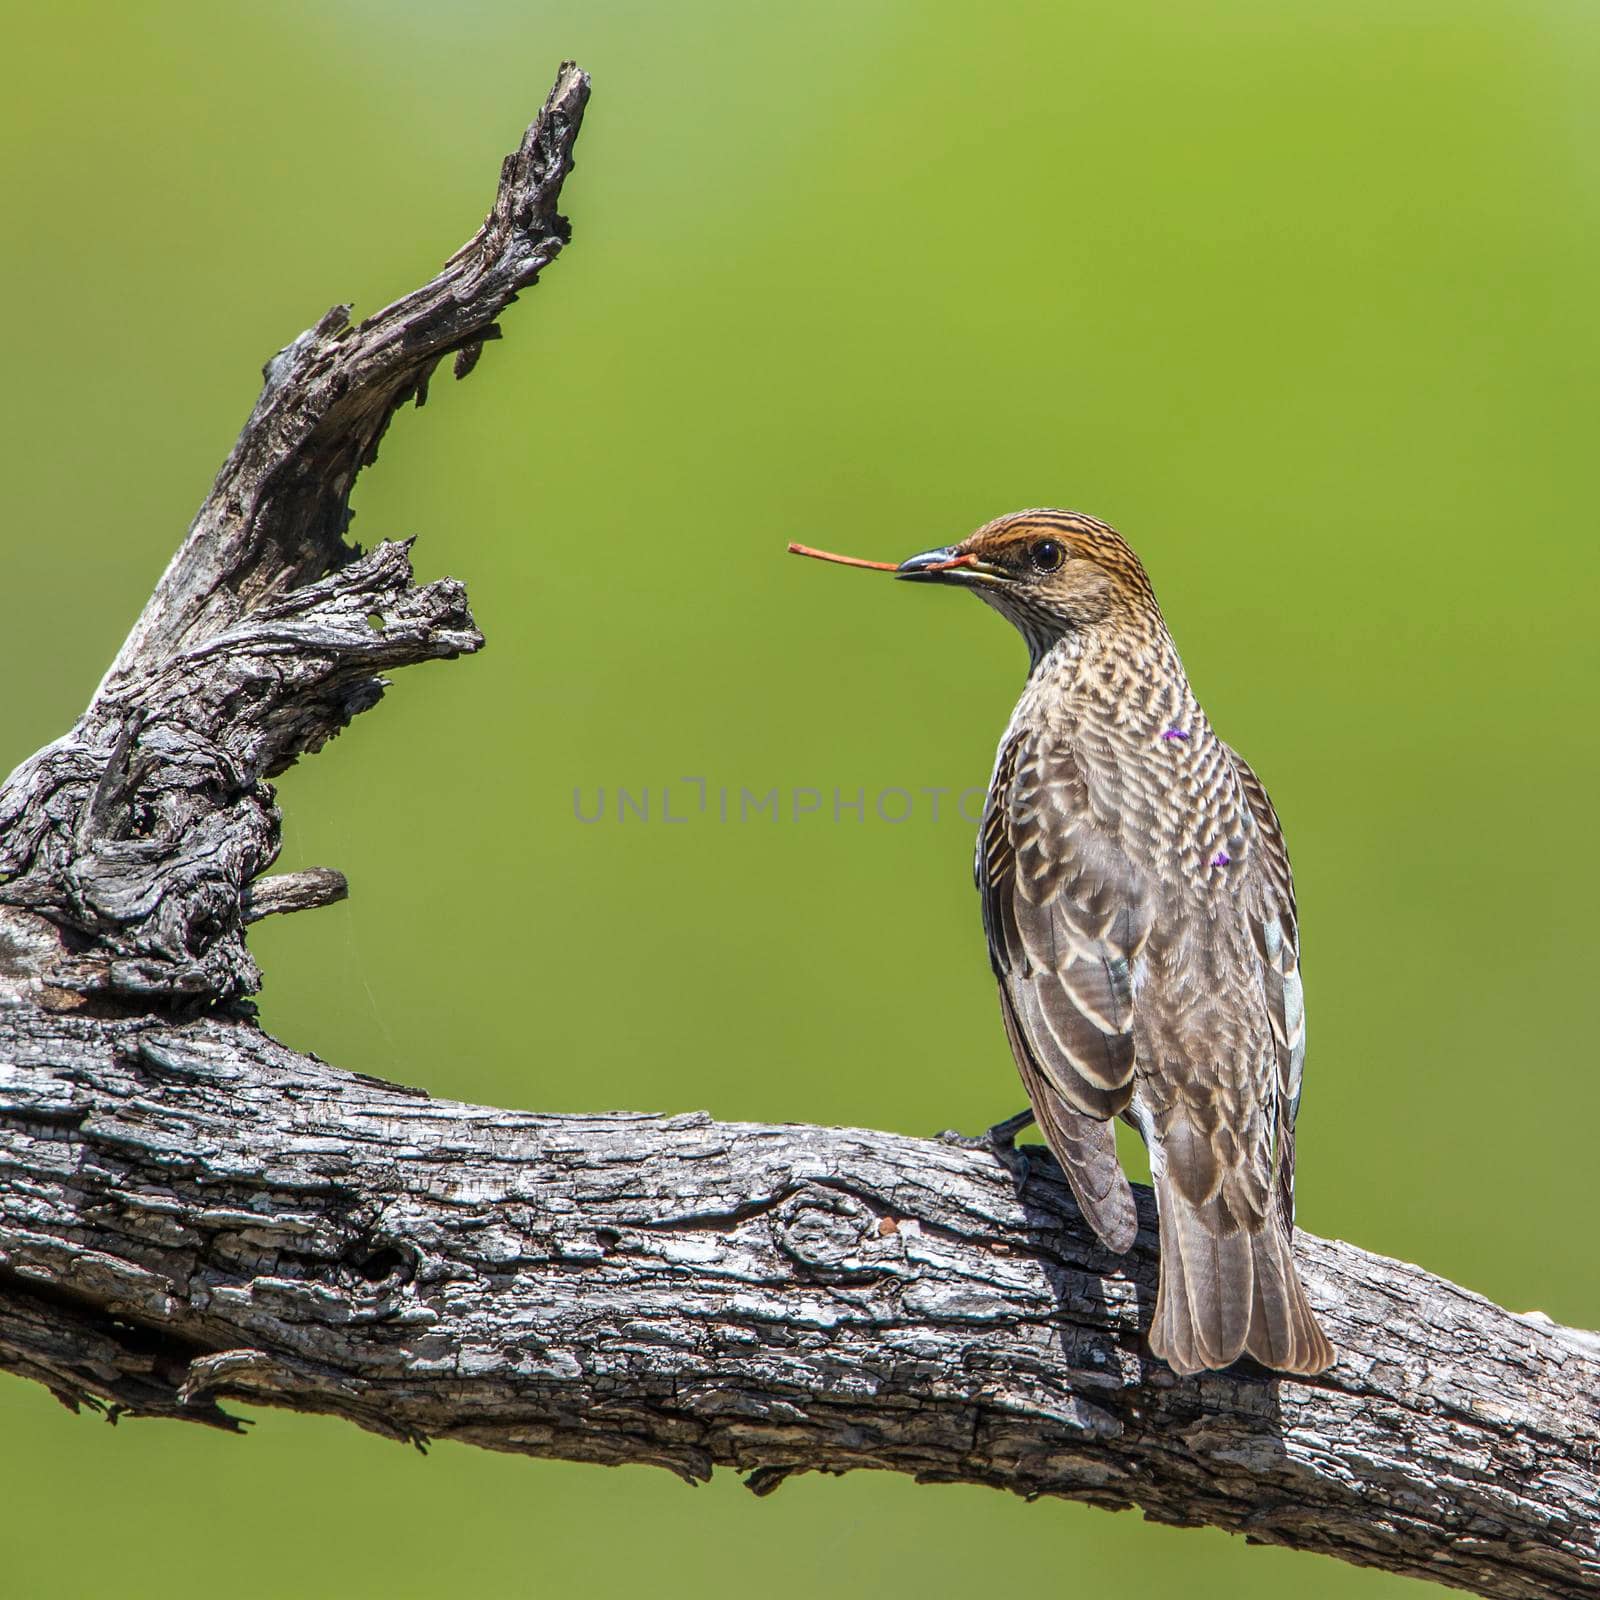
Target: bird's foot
[{"x": 1000, "y": 1140}]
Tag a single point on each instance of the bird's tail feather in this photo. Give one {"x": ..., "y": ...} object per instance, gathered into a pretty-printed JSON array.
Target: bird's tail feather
[{"x": 1227, "y": 1292}]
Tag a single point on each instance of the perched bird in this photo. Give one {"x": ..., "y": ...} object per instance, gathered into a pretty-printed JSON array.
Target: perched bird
[{"x": 1141, "y": 923}]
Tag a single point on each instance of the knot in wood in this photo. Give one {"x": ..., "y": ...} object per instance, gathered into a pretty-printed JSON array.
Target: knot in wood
[{"x": 830, "y": 1233}]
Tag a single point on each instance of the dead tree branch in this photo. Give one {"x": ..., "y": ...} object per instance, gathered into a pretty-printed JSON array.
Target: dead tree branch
[
  {"x": 139, "y": 833},
  {"x": 190, "y": 1213}
]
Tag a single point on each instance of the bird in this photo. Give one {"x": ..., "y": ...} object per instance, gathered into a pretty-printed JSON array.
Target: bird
[{"x": 1141, "y": 923}]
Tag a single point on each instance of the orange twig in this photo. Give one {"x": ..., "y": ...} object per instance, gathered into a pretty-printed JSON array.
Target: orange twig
[{"x": 876, "y": 566}]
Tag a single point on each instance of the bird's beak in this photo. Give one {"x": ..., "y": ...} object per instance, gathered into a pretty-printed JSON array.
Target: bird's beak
[{"x": 947, "y": 565}]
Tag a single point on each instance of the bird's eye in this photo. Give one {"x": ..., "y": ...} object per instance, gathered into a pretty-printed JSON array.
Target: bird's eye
[{"x": 1046, "y": 555}]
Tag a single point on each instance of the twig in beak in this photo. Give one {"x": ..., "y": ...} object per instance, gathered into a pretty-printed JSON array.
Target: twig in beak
[{"x": 876, "y": 566}]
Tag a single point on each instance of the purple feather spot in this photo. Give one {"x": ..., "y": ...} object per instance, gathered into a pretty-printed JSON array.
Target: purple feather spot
[
  {"x": 1174, "y": 733},
  {"x": 1221, "y": 859}
]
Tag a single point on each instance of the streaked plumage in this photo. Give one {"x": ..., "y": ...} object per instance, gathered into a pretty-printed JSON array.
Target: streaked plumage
[{"x": 1141, "y": 922}]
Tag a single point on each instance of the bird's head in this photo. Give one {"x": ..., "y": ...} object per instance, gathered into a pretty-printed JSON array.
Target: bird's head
[{"x": 1050, "y": 573}]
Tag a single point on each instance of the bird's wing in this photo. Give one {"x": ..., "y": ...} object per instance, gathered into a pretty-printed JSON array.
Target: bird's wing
[
  {"x": 1066, "y": 913},
  {"x": 1274, "y": 925}
]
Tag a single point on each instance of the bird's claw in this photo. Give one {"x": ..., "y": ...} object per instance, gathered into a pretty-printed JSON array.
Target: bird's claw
[{"x": 1000, "y": 1140}]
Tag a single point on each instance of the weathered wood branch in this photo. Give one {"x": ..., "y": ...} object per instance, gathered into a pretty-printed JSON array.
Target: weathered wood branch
[
  {"x": 193, "y": 1211},
  {"x": 139, "y": 833},
  {"x": 190, "y": 1213}
]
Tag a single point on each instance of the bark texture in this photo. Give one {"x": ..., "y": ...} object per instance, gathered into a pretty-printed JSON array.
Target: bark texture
[
  {"x": 140, "y": 832},
  {"x": 191, "y": 1212}
]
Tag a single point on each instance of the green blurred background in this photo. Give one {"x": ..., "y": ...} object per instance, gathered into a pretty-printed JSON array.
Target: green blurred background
[{"x": 1300, "y": 297}]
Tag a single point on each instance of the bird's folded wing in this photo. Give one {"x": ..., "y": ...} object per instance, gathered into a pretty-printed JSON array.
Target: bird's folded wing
[
  {"x": 1066, "y": 914},
  {"x": 1274, "y": 925}
]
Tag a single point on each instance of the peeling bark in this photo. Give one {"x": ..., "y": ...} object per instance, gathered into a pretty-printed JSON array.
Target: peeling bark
[{"x": 190, "y": 1212}]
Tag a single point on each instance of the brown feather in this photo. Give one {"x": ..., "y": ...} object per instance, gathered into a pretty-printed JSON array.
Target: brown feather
[
  {"x": 1065, "y": 988},
  {"x": 1085, "y": 1146},
  {"x": 1141, "y": 922}
]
